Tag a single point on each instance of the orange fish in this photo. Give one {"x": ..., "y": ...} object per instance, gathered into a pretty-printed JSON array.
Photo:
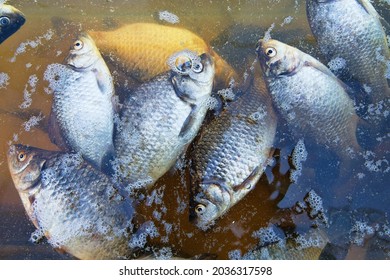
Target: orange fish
[{"x": 141, "y": 50}]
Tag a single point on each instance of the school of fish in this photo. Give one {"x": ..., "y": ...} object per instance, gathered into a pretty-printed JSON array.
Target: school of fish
[{"x": 116, "y": 146}]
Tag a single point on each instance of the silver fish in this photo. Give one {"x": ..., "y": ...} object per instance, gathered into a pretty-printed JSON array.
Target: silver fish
[
  {"x": 161, "y": 117},
  {"x": 231, "y": 153},
  {"x": 11, "y": 19},
  {"x": 351, "y": 30},
  {"x": 74, "y": 205},
  {"x": 313, "y": 102},
  {"x": 82, "y": 116}
]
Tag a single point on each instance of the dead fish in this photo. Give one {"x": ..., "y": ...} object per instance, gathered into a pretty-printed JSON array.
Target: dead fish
[
  {"x": 305, "y": 246},
  {"x": 161, "y": 117},
  {"x": 72, "y": 204},
  {"x": 82, "y": 116},
  {"x": 231, "y": 154},
  {"x": 313, "y": 102},
  {"x": 142, "y": 49},
  {"x": 11, "y": 19},
  {"x": 351, "y": 30}
]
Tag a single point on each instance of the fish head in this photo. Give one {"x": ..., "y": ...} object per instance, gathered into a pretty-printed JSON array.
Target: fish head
[
  {"x": 25, "y": 165},
  {"x": 192, "y": 74},
  {"x": 83, "y": 53},
  {"x": 11, "y": 19},
  {"x": 277, "y": 58},
  {"x": 211, "y": 202}
]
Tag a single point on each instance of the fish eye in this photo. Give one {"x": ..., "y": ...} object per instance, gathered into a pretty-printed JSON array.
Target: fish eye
[
  {"x": 22, "y": 156},
  {"x": 270, "y": 52},
  {"x": 199, "y": 209},
  {"x": 183, "y": 64},
  {"x": 197, "y": 67},
  {"x": 4, "y": 21},
  {"x": 78, "y": 45}
]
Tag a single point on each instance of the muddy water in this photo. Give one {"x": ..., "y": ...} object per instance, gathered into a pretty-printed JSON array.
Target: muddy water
[{"x": 232, "y": 28}]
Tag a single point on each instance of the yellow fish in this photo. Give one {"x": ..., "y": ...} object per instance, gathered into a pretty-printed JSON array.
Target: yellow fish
[{"x": 141, "y": 50}]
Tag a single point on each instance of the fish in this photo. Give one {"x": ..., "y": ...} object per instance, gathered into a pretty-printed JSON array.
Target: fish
[
  {"x": 142, "y": 49},
  {"x": 83, "y": 107},
  {"x": 11, "y": 19},
  {"x": 310, "y": 98},
  {"x": 351, "y": 30},
  {"x": 76, "y": 207},
  {"x": 231, "y": 154},
  {"x": 305, "y": 246},
  {"x": 161, "y": 117}
]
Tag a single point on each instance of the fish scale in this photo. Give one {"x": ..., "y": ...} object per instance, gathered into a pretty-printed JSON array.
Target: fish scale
[
  {"x": 232, "y": 149},
  {"x": 351, "y": 30}
]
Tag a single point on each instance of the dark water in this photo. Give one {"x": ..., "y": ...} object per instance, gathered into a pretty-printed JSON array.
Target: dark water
[{"x": 354, "y": 215}]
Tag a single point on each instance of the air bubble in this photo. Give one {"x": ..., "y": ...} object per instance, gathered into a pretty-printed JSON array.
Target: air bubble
[
  {"x": 32, "y": 122},
  {"x": 227, "y": 94},
  {"x": 299, "y": 155},
  {"x": 168, "y": 17},
  {"x": 164, "y": 253},
  {"x": 266, "y": 236},
  {"x": 359, "y": 232},
  {"x": 337, "y": 64},
  {"x": 4, "y": 80}
]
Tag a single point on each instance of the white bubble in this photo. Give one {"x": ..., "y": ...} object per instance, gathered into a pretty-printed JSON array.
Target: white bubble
[
  {"x": 22, "y": 48},
  {"x": 299, "y": 155},
  {"x": 4, "y": 80},
  {"x": 235, "y": 255},
  {"x": 227, "y": 94},
  {"x": 337, "y": 64},
  {"x": 29, "y": 90},
  {"x": 287, "y": 20},
  {"x": 267, "y": 35},
  {"x": 315, "y": 205},
  {"x": 266, "y": 236},
  {"x": 32, "y": 122},
  {"x": 168, "y": 17},
  {"x": 211, "y": 103},
  {"x": 359, "y": 232},
  {"x": 259, "y": 115}
]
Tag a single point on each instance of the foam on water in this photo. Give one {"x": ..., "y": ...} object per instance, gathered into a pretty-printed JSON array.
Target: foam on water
[
  {"x": 337, "y": 64},
  {"x": 286, "y": 20},
  {"x": 22, "y": 48},
  {"x": 139, "y": 238},
  {"x": 267, "y": 236},
  {"x": 315, "y": 206},
  {"x": 164, "y": 253},
  {"x": 168, "y": 17},
  {"x": 227, "y": 94},
  {"x": 29, "y": 90},
  {"x": 299, "y": 155},
  {"x": 375, "y": 164},
  {"x": 359, "y": 232},
  {"x": 267, "y": 35},
  {"x": 32, "y": 122},
  {"x": 4, "y": 80}
]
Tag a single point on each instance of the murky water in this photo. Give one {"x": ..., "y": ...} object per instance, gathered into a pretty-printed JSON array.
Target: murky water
[{"x": 354, "y": 215}]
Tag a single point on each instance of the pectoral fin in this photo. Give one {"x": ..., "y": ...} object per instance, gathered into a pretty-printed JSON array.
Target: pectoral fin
[
  {"x": 187, "y": 128},
  {"x": 251, "y": 181}
]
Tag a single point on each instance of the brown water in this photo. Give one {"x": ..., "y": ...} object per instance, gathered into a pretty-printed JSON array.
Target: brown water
[{"x": 232, "y": 28}]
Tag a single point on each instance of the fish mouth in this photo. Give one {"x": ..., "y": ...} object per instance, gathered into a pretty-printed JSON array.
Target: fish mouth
[{"x": 218, "y": 202}]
